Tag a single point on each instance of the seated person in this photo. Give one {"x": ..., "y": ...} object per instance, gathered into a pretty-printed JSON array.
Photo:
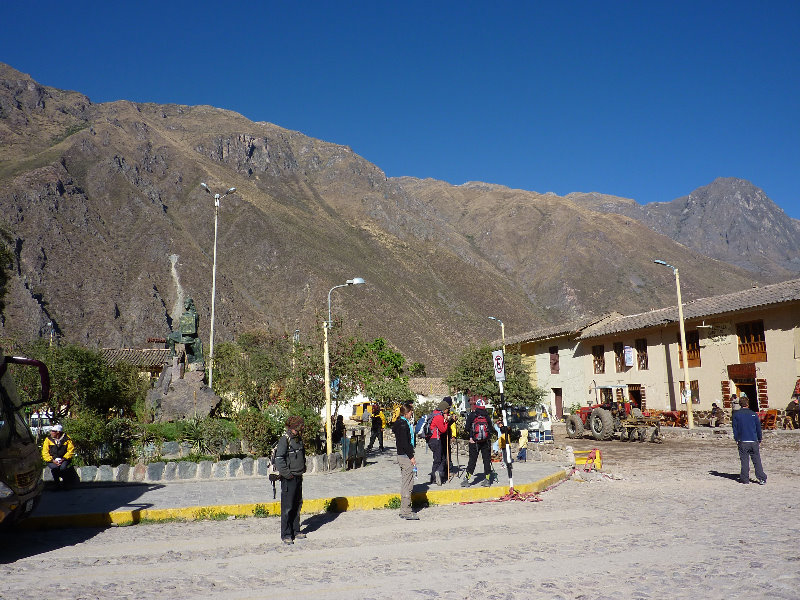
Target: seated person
[
  {"x": 57, "y": 452},
  {"x": 717, "y": 417},
  {"x": 793, "y": 411}
]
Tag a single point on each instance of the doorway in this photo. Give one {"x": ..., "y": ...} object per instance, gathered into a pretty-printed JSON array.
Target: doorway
[
  {"x": 635, "y": 395},
  {"x": 748, "y": 388},
  {"x": 559, "y": 402}
]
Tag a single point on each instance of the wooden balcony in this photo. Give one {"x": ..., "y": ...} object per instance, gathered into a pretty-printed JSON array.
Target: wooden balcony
[{"x": 751, "y": 352}]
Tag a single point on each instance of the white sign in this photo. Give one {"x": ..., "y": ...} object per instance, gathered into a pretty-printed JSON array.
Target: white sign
[
  {"x": 628, "y": 356},
  {"x": 499, "y": 365}
]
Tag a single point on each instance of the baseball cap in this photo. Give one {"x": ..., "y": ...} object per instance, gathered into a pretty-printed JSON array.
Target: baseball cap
[{"x": 58, "y": 427}]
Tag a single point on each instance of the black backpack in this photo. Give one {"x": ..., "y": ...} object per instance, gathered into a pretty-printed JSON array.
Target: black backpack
[{"x": 480, "y": 428}]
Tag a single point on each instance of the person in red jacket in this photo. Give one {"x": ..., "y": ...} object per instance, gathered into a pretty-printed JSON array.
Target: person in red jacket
[{"x": 439, "y": 425}]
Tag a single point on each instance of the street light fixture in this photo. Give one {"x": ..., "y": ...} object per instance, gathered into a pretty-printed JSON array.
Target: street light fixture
[
  {"x": 217, "y": 198},
  {"x": 502, "y": 332},
  {"x": 326, "y": 325},
  {"x": 685, "y": 392}
]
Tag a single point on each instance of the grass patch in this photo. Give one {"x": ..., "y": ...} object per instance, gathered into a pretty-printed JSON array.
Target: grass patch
[
  {"x": 394, "y": 502},
  {"x": 146, "y": 521},
  {"x": 210, "y": 514},
  {"x": 261, "y": 511}
]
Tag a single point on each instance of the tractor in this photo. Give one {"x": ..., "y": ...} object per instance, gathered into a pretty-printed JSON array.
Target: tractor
[{"x": 609, "y": 416}]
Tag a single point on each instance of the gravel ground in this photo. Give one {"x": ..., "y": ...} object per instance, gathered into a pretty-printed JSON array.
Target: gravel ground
[{"x": 663, "y": 521}]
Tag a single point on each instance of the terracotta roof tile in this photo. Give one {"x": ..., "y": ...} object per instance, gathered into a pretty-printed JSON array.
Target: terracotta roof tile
[{"x": 779, "y": 293}]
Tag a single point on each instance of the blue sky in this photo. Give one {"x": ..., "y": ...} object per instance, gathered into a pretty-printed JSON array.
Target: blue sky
[{"x": 643, "y": 100}]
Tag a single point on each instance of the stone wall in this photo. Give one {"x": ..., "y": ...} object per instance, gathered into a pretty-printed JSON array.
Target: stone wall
[{"x": 165, "y": 471}]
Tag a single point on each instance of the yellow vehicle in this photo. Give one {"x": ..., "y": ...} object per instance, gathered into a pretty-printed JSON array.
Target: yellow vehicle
[{"x": 359, "y": 409}]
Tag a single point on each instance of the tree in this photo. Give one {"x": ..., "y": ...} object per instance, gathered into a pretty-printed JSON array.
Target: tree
[
  {"x": 474, "y": 372},
  {"x": 251, "y": 367},
  {"x": 79, "y": 380}
]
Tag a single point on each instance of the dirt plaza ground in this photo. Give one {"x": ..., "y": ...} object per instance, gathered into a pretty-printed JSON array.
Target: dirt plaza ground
[{"x": 662, "y": 521}]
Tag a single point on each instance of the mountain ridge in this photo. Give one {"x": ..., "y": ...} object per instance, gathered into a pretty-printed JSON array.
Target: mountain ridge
[{"x": 97, "y": 198}]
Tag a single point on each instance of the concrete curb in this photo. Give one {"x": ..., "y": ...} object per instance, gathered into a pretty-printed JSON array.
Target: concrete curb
[{"x": 273, "y": 507}]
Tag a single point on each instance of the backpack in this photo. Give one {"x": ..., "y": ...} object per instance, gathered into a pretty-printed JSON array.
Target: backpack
[
  {"x": 480, "y": 428},
  {"x": 272, "y": 470},
  {"x": 424, "y": 430}
]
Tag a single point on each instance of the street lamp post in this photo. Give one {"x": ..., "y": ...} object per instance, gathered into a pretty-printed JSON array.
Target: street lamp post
[
  {"x": 217, "y": 198},
  {"x": 685, "y": 392},
  {"x": 502, "y": 332},
  {"x": 326, "y": 325}
]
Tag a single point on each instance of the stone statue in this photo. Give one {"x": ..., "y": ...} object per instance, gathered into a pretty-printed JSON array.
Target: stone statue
[{"x": 187, "y": 334}]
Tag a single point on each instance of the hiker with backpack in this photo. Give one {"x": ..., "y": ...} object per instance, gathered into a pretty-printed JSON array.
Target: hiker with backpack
[
  {"x": 479, "y": 427},
  {"x": 436, "y": 435},
  {"x": 290, "y": 460}
]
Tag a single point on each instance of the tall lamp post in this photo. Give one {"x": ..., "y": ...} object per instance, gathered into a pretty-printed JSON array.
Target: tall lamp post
[
  {"x": 217, "y": 198},
  {"x": 502, "y": 332},
  {"x": 685, "y": 392},
  {"x": 326, "y": 325}
]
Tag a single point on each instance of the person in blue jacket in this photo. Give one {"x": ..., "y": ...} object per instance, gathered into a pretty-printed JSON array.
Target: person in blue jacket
[{"x": 747, "y": 433}]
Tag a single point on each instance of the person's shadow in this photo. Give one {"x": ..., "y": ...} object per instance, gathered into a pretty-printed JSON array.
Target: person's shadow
[
  {"x": 733, "y": 476},
  {"x": 314, "y": 522}
]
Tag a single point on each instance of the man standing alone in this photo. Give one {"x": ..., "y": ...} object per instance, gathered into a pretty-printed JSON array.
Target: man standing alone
[
  {"x": 747, "y": 433},
  {"x": 290, "y": 460}
]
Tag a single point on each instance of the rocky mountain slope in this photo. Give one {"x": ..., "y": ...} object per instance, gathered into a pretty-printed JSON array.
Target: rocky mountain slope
[{"x": 111, "y": 230}]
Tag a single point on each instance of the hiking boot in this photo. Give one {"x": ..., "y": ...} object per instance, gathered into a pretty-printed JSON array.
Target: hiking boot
[
  {"x": 437, "y": 478},
  {"x": 466, "y": 482},
  {"x": 300, "y": 536},
  {"x": 411, "y": 517},
  {"x": 487, "y": 482},
  {"x": 288, "y": 541},
  {"x": 762, "y": 482}
]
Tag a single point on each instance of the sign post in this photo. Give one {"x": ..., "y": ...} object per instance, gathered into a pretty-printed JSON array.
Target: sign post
[{"x": 498, "y": 363}]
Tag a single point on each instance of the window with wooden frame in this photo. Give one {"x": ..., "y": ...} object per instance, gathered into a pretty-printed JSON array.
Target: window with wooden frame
[
  {"x": 752, "y": 343},
  {"x": 641, "y": 354},
  {"x": 619, "y": 356},
  {"x": 554, "y": 368},
  {"x": 693, "y": 344},
  {"x": 599, "y": 358},
  {"x": 694, "y": 388}
]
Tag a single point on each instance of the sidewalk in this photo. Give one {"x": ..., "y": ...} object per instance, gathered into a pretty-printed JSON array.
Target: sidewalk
[{"x": 365, "y": 488}]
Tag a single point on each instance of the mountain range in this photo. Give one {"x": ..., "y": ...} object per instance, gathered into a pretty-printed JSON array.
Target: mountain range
[{"x": 111, "y": 230}]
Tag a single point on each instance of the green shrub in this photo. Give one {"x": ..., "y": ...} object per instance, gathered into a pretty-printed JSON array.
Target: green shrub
[
  {"x": 260, "y": 511},
  {"x": 394, "y": 502},
  {"x": 98, "y": 441},
  {"x": 207, "y": 436}
]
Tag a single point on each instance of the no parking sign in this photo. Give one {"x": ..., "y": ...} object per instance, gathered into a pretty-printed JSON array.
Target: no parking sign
[{"x": 499, "y": 365}]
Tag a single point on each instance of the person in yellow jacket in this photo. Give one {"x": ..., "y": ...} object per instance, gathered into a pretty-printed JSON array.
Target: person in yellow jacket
[{"x": 57, "y": 452}]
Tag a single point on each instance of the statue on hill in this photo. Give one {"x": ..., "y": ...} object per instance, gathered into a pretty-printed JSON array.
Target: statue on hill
[{"x": 187, "y": 334}]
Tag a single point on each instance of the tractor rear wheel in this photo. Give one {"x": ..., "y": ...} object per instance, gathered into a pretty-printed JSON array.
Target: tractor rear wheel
[
  {"x": 602, "y": 424},
  {"x": 574, "y": 427}
]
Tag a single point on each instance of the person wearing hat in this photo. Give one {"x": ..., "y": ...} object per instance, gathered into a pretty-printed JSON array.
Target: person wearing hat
[
  {"x": 479, "y": 427},
  {"x": 717, "y": 416},
  {"x": 290, "y": 460},
  {"x": 57, "y": 452},
  {"x": 439, "y": 425}
]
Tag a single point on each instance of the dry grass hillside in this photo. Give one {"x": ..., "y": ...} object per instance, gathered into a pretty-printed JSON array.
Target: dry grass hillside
[{"x": 111, "y": 229}]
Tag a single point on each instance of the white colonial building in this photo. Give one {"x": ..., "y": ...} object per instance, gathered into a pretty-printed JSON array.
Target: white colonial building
[{"x": 744, "y": 342}]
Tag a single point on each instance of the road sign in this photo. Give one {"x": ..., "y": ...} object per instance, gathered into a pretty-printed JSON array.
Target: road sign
[{"x": 499, "y": 365}]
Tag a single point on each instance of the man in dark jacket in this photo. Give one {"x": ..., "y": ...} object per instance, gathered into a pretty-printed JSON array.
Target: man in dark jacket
[
  {"x": 479, "y": 428},
  {"x": 376, "y": 428},
  {"x": 747, "y": 433},
  {"x": 290, "y": 460},
  {"x": 793, "y": 411}
]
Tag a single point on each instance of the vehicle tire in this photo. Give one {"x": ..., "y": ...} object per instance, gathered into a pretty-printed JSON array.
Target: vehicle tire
[
  {"x": 574, "y": 427},
  {"x": 602, "y": 424}
]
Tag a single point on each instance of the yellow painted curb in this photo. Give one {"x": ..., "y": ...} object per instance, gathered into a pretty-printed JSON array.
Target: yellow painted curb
[{"x": 273, "y": 507}]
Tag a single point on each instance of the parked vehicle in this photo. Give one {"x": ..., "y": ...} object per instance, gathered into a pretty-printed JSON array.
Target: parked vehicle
[
  {"x": 20, "y": 462},
  {"x": 609, "y": 416},
  {"x": 535, "y": 420},
  {"x": 40, "y": 424}
]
